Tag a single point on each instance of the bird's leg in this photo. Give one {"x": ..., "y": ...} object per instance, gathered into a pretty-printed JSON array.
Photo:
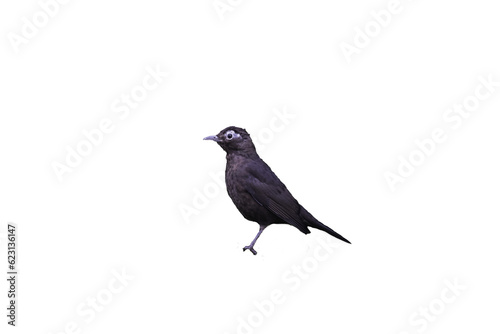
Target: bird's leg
[{"x": 250, "y": 247}]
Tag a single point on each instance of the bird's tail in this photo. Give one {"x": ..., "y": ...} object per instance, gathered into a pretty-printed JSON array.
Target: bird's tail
[{"x": 313, "y": 222}]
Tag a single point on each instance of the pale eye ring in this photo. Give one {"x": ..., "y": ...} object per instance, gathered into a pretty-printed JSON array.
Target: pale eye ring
[{"x": 230, "y": 134}]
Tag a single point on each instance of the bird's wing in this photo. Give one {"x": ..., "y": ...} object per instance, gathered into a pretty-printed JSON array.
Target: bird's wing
[{"x": 267, "y": 190}]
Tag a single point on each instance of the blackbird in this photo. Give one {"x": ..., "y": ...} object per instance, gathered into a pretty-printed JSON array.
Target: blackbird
[{"x": 256, "y": 191}]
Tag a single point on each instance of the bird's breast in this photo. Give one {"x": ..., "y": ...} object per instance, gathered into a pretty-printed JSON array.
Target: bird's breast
[
  {"x": 234, "y": 179},
  {"x": 235, "y": 184}
]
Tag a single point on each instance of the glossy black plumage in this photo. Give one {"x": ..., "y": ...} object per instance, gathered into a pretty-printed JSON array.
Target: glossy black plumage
[{"x": 256, "y": 191}]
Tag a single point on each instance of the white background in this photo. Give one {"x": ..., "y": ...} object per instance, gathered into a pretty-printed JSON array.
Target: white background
[{"x": 120, "y": 209}]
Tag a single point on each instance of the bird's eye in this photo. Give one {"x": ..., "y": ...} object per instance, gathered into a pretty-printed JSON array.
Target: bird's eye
[{"x": 230, "y": 135}]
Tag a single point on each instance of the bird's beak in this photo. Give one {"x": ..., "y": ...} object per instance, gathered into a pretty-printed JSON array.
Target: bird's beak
[{"x": 214, "y": 138}]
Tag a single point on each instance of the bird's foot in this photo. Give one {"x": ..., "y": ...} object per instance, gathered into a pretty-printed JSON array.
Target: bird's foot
[{"x": 251, "y": 249}]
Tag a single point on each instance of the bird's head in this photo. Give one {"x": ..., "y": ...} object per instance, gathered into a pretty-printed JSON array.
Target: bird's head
[{"x": 233, "y": 140}]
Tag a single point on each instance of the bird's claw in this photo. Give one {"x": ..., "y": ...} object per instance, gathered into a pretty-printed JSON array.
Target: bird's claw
[{"x": 251, "y": 249}]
